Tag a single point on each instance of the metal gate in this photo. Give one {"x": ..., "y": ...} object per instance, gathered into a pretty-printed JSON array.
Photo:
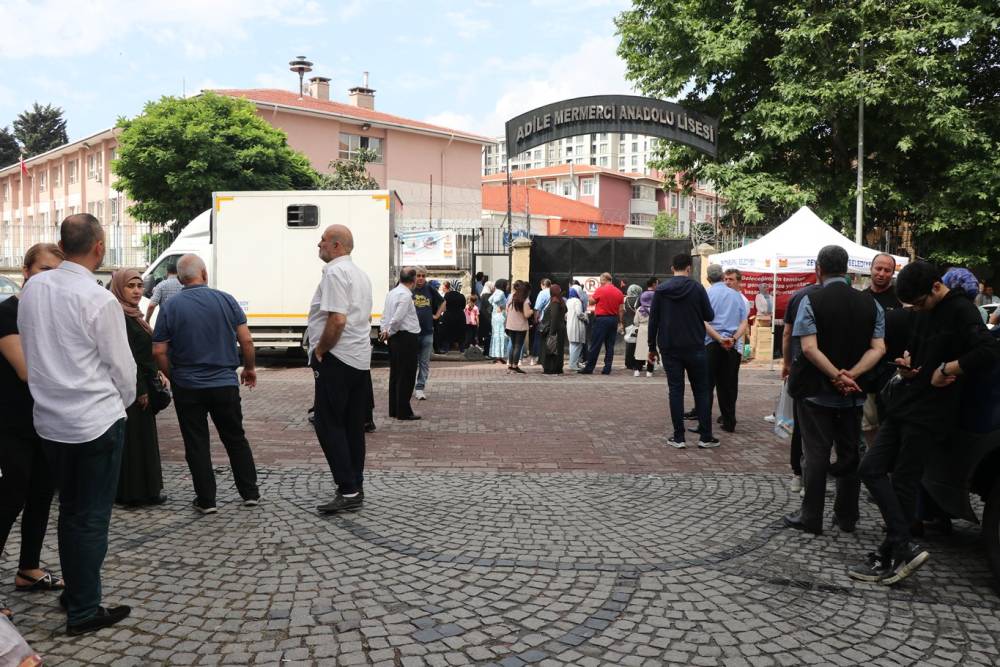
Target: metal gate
[
  {"x": 561, "y": 258},
  {"x": 490, "y": 242}
]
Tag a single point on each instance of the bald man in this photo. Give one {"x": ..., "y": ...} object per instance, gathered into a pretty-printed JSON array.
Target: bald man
[
  {"x": 340, "y": 354},
  {"x": 194, "y": 344}
]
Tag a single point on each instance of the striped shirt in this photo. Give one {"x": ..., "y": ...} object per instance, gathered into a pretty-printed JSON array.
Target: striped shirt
[{"x": 164, "y": 290}]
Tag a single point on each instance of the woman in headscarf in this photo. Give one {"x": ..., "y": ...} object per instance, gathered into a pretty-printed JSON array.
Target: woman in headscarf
[
  {"x": 967, "y": 284},
  {"x": 485, "y": 317},
  {"x": 498, "y": 304},
  {"x": 576, "y": 326},
  {"x": 630, "y": 308},
  {"x": 641, "y": 351},
  {"x": 552, "y": 329},
  {"x": 141, "y": 479}
]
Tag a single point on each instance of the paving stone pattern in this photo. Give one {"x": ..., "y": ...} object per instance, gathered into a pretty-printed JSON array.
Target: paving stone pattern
[{"x": 647, "y": 557}]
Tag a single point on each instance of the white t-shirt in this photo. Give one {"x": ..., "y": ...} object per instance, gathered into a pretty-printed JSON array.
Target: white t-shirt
[{"x": 345, "y": 289}]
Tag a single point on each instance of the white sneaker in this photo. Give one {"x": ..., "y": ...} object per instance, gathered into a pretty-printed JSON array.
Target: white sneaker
[
  {"x": 796, "y": 485},
  {"x": 710, "y": 443},
  {"x": 769, "y": 419},
  {"x": 532, "y": 362},
  {"x": 636, "y": 374},
  {"x": 676, "y": 445},
  {"x": 802, "y": 493},
  {"x": 420, "y": 395},
  {"x": 649, "y": 374}
]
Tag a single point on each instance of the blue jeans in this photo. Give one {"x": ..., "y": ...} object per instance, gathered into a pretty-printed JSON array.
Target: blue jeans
[
  {"x": 605, "y": 331},
  {"x": 574, "y": 355},
  {"x": 426, "y": 346},
  {"x": 86, "y": 475},
  {"x": 676, "y": 362}
]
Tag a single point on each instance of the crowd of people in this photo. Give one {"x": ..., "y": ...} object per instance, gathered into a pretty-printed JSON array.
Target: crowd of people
[
  {"x": 83, "y": 375},
  {"x": 901, "y": 348}
]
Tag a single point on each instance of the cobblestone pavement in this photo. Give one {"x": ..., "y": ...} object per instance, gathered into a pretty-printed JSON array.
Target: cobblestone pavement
[{"x": 620, "y": 557}]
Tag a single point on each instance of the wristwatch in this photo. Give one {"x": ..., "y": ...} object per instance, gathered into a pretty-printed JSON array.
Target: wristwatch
[{"x": 942, "y": 368}]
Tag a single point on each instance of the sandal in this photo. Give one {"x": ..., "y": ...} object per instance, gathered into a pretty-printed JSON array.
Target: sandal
[
  {"x": 6, "y": 611},
  {"x": 46, "y": 582}
]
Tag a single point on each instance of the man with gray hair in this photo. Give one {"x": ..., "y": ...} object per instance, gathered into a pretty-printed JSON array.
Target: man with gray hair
[
  {"x": 723, "y": 345},
  {"x": 82, "y": 377},
  {"x": 340, "y": 354},
  {"x": 400, "y": 328},
  {"x": 194, "y": 343}
]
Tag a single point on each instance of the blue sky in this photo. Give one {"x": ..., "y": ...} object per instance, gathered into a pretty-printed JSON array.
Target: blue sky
[{"x": 465, "y": 65}]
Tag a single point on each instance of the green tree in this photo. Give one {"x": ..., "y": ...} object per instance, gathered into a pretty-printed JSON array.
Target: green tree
[
  {"x": 40, "y": 129},
  {"x": 785, "y": 78},
  {"x": 351, "y": 174},
  {"x": 665, "y": 226},
  {"x": 10, "y": 150},
  {"x": 173, "y": 156}
]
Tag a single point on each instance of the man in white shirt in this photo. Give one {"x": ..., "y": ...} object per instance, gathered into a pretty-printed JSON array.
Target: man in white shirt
[
  {"x": 340, "y": 355},
  {"x": 401, "y": 328},
  {"x": 82, "y": 377}
]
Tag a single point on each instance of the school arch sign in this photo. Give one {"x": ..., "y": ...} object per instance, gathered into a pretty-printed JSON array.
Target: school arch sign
[{"x": 612, "y": 113}]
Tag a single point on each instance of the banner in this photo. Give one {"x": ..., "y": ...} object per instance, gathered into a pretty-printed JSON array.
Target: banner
[
  {"x": 430, "y": 248},
  {"x": 788, "y": 284}
]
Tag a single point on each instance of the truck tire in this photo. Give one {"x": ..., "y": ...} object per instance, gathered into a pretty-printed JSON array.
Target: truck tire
[{"x": 991, "y": 531}]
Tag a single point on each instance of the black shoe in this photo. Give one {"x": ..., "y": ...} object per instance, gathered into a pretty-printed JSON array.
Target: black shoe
[
  {"x": 905, "y": 562},
  {"x": 584, "y": 371},
  {"x": 203, "y": 508},
  {"x": 370, "y": 427},
  {"x": 409, "y": 418},
  {"x": 605, "y": 372},
  {"x": 729, "y": 428},
  {"x": 517, "y": 369},
  {"x": 718, "y": 420},
  {"x": 690, "y": 415},
  {"x": 341, "y": 504},
  {"x": 844, "y": 525},
  {"x": 795, "y": 521},
  {"x": 159, "y": 500},
  {"x": 874, "y": 569},
  {"x": 102, "y": 619}
]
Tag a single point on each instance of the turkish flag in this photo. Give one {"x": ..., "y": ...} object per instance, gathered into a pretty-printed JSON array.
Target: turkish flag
[{"x": 24, "y": 168}]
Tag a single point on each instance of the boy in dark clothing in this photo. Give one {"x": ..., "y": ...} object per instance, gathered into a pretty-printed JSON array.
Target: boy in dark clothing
[
  {"x": 677, "y": 319},
  {"x": 947, "y": 341}
]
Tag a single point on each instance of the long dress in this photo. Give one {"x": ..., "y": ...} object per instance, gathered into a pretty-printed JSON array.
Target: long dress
[
  {"x": 141, "y": 479},
  {"x": 498, "y": 338},
  {"x": 454, "y": 321},
  {"x": 553, "y": 324}
]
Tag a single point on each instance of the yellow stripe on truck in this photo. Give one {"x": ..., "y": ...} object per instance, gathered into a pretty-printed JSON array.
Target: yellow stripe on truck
[
  {"x": 384, "y": 198},
  {"x": 291, "y": 314}
]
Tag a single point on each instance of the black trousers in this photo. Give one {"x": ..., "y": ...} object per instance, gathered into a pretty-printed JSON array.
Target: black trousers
[
  {"x": 723, "y": 381},
  {"x": 795, "y": 455},
  {"x": 825, "y": 430},
  {"x": 517, "y": 339},
  {"x": 25, "y": 483},
  {"x": 898, "y": 450},
  {"x": 403, "y": 350},
  {"x": 634, "y": 364},
  {"x": 194, "y": 407},
  {"x": 341, "y": 402}
]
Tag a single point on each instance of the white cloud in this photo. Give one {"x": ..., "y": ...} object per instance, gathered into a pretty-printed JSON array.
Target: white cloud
[
  {"x": 465, "y": 25},
  {"x": 349, "y": 10},
  {"x": 594, "y": 68},
  {"x": 69, "y": 28},
  {"x": 454, "y": 121}
]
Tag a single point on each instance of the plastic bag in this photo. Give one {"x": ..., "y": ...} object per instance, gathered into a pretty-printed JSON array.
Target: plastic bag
[
  {"x": 784, "y": 413},
  {"x": 14, "y": 651}
]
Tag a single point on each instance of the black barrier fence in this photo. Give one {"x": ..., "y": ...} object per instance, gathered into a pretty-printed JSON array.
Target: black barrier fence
[{"x": 633, "y": 260}]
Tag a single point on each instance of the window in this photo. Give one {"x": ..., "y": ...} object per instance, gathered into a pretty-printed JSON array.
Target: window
[
  {"x": 74, "y": 168},
  {"x": 94, "y": 167},
  {"x": 684, "y": 202},
  {"x": 587, "y": 186},
  {"x": 603, "y": 148},
  {"x": 43, "y": 218},
  {"x": 58, "y": 217},
  {"x": 350, "y": 144},
  {"x": 604, "y": 160},
  {"x": 42, "y": 181},
  {"x": 635, "y": 161},
  {"x": 569, "y": 150},
  {"x": 701, "y": 205},
  {"x": 549, "y": 186},
  {"x": 302, "y": 215},
  {"x": 604, "y": 136},
  {"x": 673, "y": 200},
  {"x": 92, "y": 208},
  {"x": 635, "y": 146},
  {"x": 621, "y": 162},
  {"x": 114, "y": 211},
  {"x": 567, "y": 189},
  {"x": 159, "y": 273},
  {"x": 6, "y": 191},
  {"x": 636, "y": 192},
  {"x": 57, "y": 177},
  {"x": 538, "y": 154}
]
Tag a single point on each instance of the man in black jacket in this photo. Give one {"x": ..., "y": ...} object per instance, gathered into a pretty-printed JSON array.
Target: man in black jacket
[
  {"x": 841, "y": 331},
  {"x": 947, "y": 341},
  {"x": 677, "y": 320}
]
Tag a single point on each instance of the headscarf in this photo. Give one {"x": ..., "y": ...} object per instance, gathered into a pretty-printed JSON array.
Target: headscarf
[
  {"x": 963, "y": 280},
  {"x": 555, "y": 293},
  {"x": 574, "y": 293},
  {"x": 633, "y": 291},
  {"x": 119, "y": 280},
  {"x": 487, "y": 288}
]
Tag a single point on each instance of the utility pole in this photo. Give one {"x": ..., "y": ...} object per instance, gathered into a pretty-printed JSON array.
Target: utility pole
[
  {"x": 861, "y": 146},
  {"x": 510, "y": 229}
]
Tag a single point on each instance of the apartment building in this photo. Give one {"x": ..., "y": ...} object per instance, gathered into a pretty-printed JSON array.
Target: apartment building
[
  {"x": 72, "y": 178},
  {"x": 619, "y": 152}
]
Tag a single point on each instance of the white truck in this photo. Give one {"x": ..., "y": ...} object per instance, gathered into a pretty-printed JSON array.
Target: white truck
[{"x": 261, "y": 247}]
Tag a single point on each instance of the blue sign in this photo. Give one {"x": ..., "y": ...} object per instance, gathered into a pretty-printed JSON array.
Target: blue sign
[{"x": 593, "y": 229}]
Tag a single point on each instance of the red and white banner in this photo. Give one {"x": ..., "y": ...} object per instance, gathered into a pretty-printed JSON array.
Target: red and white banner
[{"x": 787, "y": 284}]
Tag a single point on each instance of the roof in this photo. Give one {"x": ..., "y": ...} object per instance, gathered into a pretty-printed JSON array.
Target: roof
[
  {"x": 539, "y": 202},
  {"x": 53, "y": 152},
  {"x": 290, "y": 100},
  {"x": 562, "y": 170}
]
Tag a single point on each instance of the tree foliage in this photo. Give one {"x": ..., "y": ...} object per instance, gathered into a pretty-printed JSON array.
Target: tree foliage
[
  {"x": 10, "y": 150},
  {"x": 40, "y": 129},
  {"x": 173, "y": 156},
  {"x": 785, "y": 78},
  {"x": 665, "y": 226},
  {"x": 351, "y": 174}
]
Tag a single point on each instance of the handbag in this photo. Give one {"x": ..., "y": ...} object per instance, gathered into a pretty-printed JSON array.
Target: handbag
[
  {"x": 552, "y": 343},
  {"x": 159, "y": 396},
  {"x": 631, "y": 332}
]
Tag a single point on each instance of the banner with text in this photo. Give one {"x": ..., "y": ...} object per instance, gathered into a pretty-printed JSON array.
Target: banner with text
[
  {"x": 788, "y": 284},
  {"x": 429, "y": 248}
]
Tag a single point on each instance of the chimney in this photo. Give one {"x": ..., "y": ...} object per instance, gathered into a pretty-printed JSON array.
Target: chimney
[
  {"x": 362, "y": 96},
  {"x": 319, "y": 87}
]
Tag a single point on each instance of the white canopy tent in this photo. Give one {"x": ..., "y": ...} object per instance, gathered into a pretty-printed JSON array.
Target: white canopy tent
[{"x": 792, "y": 246}]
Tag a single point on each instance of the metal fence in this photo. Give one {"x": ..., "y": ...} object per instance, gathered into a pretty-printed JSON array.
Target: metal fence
[{"x": 130, "y": 244}]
